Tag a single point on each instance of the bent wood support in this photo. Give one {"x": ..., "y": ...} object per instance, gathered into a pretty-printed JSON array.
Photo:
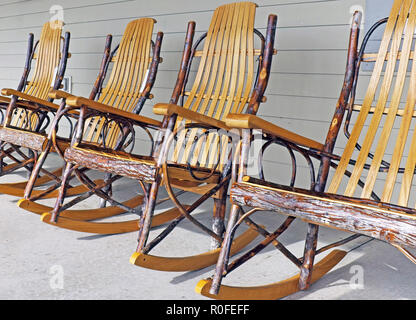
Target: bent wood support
[
  {"x": 107, "y": 227},
  {"x": 40, "y": 181},
  {"x": 190, "y": 263},
  {"x": 19, "y": 191},
  {"x": 17, "y": 188},
  {"x": 81, "y": 214},
  {"x": 272, "y": 291}
]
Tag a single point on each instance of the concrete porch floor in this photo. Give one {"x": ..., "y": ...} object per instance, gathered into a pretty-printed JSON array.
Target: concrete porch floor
[{"x": 33, "y": 254}]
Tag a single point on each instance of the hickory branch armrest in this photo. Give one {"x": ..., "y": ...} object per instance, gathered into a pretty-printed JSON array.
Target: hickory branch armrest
[
  {"x": 167, "y": 109},
  {"x": 29, "y": 98},
  {"x": 59, "y": 94},
  {"x": 103, "y": 108},
  {"x": 248, "y": 121}
]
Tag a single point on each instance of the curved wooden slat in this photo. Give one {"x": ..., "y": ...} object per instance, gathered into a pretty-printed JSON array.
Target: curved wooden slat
[
  {"x": 272, "y": 291},
  {"x": 46, "y": 75},
  {"x": 190, "y": 263},
  {"x": 108, "y": 227},
  {"x": 19, "y": 191},
  {"x": 375, "y": 126},
  {"x": 223, "y": 82},
  {"x": 124, "y": 86},
  {"x": 81, "y": 214},
  {"x": 48, "y": 59},
  {"x": 41, "y": 180}
]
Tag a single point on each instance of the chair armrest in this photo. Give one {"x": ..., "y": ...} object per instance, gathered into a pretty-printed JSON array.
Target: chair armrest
[
  {"x": 248, "y": 121},
  {"x": 24, "y": 96},
  {"x": 59, "y": 94},
  {"x": 75, "y": 101},
  {"x": 167, "y": 109}
]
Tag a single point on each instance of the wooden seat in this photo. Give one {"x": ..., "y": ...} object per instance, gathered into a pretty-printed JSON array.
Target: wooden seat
[
  {"x": 28, "y": 107},
  {"x": 367, "y": 192},
  {"x": 104, "y": 123}
]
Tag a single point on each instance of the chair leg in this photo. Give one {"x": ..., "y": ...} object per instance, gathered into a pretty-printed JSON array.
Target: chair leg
[
  {"x": 30, "y": 165},
  {"x": 35, "y": 171},
  {"x": 62, "y": 191},
  {"x": 108, "y": 190},
  {"x": 218, "y": 217},
  {"x": 308, "y": 257},
  {"x": 2, "y": 163},
  {"x": 146, "y": 218},
  {"x": 224, "y": 254}
]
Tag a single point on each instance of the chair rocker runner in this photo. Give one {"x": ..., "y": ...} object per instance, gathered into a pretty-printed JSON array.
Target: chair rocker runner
[
  {"x": 103, "y": 124},
  {"x": 195, "y": 155},
  {"x": 378, "y": 209},
  {"x": 29, "y": 108}
]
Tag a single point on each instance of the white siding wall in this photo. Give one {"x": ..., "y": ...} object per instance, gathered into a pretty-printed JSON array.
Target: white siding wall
[{"x": 307, "y": 73}]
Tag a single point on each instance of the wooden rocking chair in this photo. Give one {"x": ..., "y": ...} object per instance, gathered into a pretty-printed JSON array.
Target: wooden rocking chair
[
  {"x": 378, "y": 209},
  {"x": 128, "y": 87},
  {"x": 196, "y": 153},
  {"x": 28, "y": 109}
]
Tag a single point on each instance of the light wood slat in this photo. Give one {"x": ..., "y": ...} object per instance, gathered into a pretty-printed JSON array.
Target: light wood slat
[
  {"x": 388, "y": 125},
  {"x": 400, "y": 145},
  {"x": 125, "y": 81},
  {"x": 108, "y": 97},
  {"x": 122, "y": 90},
  {"x": 48, "y": 58},
  {"x": 243, "y": 89},
  {"x": 134, "y": 77},
  {"x": 369, "y": 97},
  {"x": 114, "y": 59},
  {"x": 255, "y": 52},
  {"x": 49, "y": 61},
  {"x": 191, "y": 97},
  {"x": 250, "y": 77},
  {"x": 223, "y": 82},
  {"x": 241, "y": 100},
  {"x": 371, "y": 57},
  {"x": 235, "y": 65},
  {"x": 210, "y": 143},
  {"x": 408, "y": 175},
  {"x": 241, "y": 60},
  {"x": 215, "y": 75},
  {"x": 228, "y": 44},
  {"x": 200, "y": 104},
  {"x": 384, "y": 94},
  {"x": 399, "y": 112},
  {"x": 136, "y": 70}
]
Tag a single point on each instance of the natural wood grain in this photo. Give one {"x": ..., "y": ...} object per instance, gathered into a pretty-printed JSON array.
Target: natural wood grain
[
  {"x": 368, "y": 100},
  {"x": 195, "y": 262},
  {"x": 272, "y": 291}
]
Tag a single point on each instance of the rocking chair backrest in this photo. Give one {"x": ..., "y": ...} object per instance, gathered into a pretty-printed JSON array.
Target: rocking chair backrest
[
  {"x": 223, "y": 82},
  {"x": 380, "y": 112},
  {"x": 126, "y": 82},
  {"x": 48, "y": 58}
]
